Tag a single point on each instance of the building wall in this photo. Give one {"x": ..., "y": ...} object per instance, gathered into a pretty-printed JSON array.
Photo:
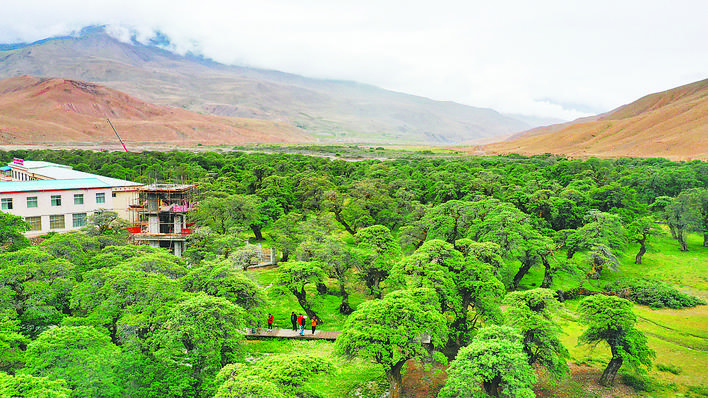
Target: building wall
[
  {"x": 45, "y": 209},
  {"x": 123, "y": 197}
]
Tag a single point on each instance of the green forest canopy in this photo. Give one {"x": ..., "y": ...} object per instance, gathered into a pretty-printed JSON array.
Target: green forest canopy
[{"x": 468, "y": 229}]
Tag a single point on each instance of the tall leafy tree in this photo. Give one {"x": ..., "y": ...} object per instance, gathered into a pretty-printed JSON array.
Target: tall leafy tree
[
  {"x": 702, "y": 195},
  {"x": 600, "y": 229},
  {"x": 35, "y": 288},
  {"x": 287, "y": 234},
  {"x": 461, "y": 283},
  {"x": 22, "y": 385},
  {"x": 336, "y": 260},
  {"x": 200, "y": 336},
  {"x": 493, "y": 364},
  {"x": 107, "y": 222},
  {"x": 128, "y": 303},
  {"x": 641, "y": 231},
  {"x": 684, "y": 214},
  {"x": 295, "y": 276},
  {"x": 392, "y": 331},
  {"x": 379, "y": 252},
  {"x": 11, "y": 344},
  {"x": 221, "y": 279},
  {"x": 235, "y": 212},
  {"x": 81, "y": 355},
  {"x": 530, "y": 312},
  {"x": 11, "y": 228},
  {"x": 610, "y": 320}
]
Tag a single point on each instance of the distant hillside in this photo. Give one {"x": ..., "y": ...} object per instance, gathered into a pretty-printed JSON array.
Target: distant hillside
[
  {"x": 36, "y": 110},
  {"x": 335, "y": 111},
  {"x": 672, "y": 124}
]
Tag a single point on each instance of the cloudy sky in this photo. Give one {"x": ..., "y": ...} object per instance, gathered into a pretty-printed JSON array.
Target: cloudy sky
[{"x": 561, "y": 59}]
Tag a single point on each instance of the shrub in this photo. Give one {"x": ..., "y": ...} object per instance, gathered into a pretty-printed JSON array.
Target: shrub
[
  {"x": 655, "y": 294},
  {"x": 639, "y": 382},
  {"x": 675, "y": 369},
  {"x": 700, "y": 391}
]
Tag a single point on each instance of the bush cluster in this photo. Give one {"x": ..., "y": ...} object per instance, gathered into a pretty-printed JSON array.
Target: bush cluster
[
  {"x": 655, "y": 294},
  {"x": 675, "y": 369}
]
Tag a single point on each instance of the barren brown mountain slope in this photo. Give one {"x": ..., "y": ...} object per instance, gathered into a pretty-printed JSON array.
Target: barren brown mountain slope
[
  {"x": 35, "y": 110},
  {"x": 331, "y": 110},
  {"x": 672, "y": 124}
]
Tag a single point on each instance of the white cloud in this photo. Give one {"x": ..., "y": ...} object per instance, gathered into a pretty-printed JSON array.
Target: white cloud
[{"x": 509, "y": 55}]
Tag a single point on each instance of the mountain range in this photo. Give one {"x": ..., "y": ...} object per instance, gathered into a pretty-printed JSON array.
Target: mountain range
[
  {"x": 37, "y": 110},
  {"x": 672, "y": 124},
  {"x": 326, "y": 110},
  {"x": 63, "y": 89}
]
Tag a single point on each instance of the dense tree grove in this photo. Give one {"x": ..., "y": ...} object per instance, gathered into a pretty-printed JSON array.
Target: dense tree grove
[{"x": 442, "y": 249}]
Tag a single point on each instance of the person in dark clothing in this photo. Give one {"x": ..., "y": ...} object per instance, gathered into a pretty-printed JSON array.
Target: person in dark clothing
[{"x": 293, "y": 320}]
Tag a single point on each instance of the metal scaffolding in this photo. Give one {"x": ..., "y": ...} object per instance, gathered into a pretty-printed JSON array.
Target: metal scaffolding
[{"x": 159, "y": 215}]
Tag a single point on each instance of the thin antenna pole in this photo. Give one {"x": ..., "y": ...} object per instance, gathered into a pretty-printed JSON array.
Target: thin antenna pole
[{"x": 119, "y": 139}]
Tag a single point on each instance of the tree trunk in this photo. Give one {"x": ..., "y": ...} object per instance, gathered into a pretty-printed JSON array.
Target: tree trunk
[
  {"x": 528, "y": 342},
  {"x": 394, "y": 380},
  {"x": 642, "y": 250},
  {"x": 681, "y": 239},
  {"x": 257, "y": 232},
  {"x": 525, "y": 267},
  {"x": 570, "y": 253},
  {"x": 344, "y": 308},
  {"x": 302, "y": 300},
  {"x": 608, "y": 376},
  {"x": 705, "y": 239},
  {"x": 672, "y": 228},
  {"x": 492, "y": 387},
  {"x": 286, "y": 255},
  {"x": 321, "y": 288},
  {"x": 338, "y": 217},
  {"x": 547, "y": 274},
  {"x": 376, "y": 290}
]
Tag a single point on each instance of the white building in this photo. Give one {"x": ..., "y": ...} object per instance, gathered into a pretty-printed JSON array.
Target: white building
[
  {"x": 54, "y": 197},
  {"x": 55, "y": 205},
  {"x": 123, "y": 192}
]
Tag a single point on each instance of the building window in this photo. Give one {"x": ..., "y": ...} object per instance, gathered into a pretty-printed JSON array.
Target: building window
[
  {"x": 100, "y": 197},
  {"x": 56, "y": 200},
  {"x": 6, "y": 203},
  {"x": 57, "y": 222},
  {"x": 113, "y": 194},
  {"x": 78, "y": 198},
  {"x": 35, "y": 223},
  {"x": 79, "y": 220},
  {"x": 31, "y": 201}
]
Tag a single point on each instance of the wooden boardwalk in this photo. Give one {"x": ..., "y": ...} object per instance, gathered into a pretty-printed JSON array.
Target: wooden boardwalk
[{"x": 290, "y": 334}]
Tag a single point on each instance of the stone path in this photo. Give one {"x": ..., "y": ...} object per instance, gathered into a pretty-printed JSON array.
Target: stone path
[{"x": 290, "y": 334}]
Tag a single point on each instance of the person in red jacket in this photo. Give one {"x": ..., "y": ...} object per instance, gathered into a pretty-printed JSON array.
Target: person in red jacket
[
  {"x": 300, "y": 321},
  {"x": 270, "y": 322}
]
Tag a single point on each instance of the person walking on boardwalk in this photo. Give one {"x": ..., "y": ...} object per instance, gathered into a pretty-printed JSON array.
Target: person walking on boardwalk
[
  {"x": 302, "y": 325},
  {"x": 299, "y": 320},
  {"x": 293, "y": 320},
  {"x": 270, "y": 322},
  {"x": 314, "y": 324}
]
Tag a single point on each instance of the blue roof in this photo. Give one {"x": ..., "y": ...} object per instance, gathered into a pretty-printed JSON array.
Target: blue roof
[
  {"x": 51, "y": 185},
  {"x": 5, "y": 168}
]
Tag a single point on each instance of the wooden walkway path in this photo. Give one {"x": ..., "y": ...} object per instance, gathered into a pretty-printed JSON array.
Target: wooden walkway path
[{"x": 290, "y": 334}]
